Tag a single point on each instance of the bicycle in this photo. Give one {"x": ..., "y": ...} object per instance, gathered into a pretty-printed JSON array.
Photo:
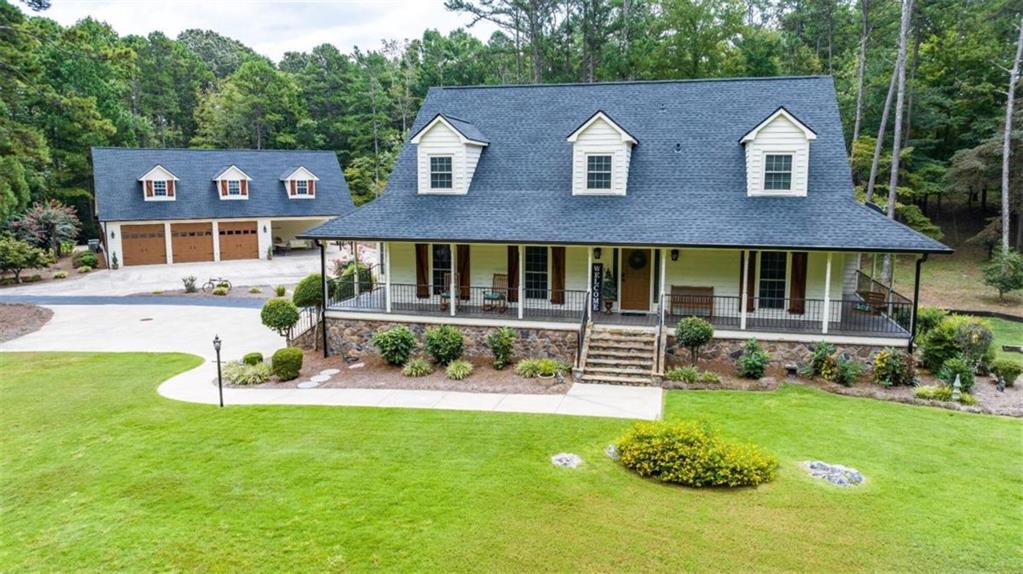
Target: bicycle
[{"x": 215, "y": 282}]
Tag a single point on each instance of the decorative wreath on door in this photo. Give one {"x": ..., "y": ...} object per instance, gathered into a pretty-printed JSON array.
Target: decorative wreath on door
[{"x": 637, "y": 260}]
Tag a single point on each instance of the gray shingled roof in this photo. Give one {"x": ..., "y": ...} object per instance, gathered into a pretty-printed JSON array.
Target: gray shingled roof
[
  {"x": 119, "y": 195},
  {"x": 687, "y": 181}
]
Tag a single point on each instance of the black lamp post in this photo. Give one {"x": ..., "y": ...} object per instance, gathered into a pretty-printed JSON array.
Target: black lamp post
[{"x": 220, "y": 378}]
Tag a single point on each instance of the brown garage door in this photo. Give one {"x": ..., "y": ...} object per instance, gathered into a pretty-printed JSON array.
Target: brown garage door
[
  {"x": 238, "y": 240},
  {"x": 143, "y": 244},
  {"x": 192, "y": 242}
]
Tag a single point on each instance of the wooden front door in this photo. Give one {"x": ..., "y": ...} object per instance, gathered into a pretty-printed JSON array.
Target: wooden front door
[
  {"x": 143, "y": 244},
  {"x": 192, "y": 242},
  {"x": 635, "y": 280},
  {"x": 238, "y": 240}
]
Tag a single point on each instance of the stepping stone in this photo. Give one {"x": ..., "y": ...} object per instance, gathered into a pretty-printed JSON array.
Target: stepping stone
[
  {"x": 308, "y": 385},
  {"x": 330, "y": 372},
  {"x": 319, "y": 378},
  {"x": 566, "y": 460},
  {"x": 357, "y": 366}
]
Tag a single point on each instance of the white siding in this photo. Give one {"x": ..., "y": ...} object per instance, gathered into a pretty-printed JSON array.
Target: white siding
[
  {"x": 601, "y": 138},
  {"x": 784, "y": 137},
  {"x": 441, "y": 140}
]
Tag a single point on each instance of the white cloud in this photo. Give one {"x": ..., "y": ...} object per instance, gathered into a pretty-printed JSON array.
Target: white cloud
[{"x": 273, "y": 27}]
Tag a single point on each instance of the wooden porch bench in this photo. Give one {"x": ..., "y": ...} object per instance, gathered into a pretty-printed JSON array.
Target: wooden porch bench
[{"x": 692, "y": 301}]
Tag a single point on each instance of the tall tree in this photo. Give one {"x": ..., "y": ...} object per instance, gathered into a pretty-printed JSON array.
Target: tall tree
[
  {"x": 1007, "y": 138},
  {"x": 900, "y": 96},
  {"x": 861, "y": 64}
]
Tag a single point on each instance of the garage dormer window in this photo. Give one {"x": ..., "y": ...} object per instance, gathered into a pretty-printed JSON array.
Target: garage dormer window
[
  {"x": 299, "y": 183},
  {"x": 160, "y": 188},
  {"x": 232, "y": 183},
  {"x": 234, "y": 187},
  {"x": 778, "y": 172},
  {"x": 301, "y": 187},
  {"x": 158, "y": 184},
  {"x": 440, "y": 172},
  {"x": 598, "y": 172}
]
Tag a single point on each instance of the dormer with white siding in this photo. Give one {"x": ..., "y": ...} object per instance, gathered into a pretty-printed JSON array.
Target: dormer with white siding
[
  {"x": 232, "y": 183},
  {"x": 448, "y": 150},
  {"x": 778, "y": 156},
  {"x": 159, "y": 184},
  {"x": 601, "y": 152},
  {"x": 300, "y": 183}
]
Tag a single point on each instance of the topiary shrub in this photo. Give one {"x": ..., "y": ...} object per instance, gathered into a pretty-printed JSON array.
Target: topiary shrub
[
  {"x": 280, "y": 315},
  {"x": 501, "y": 344},
  {"x": 685, "y": 374},
  {"x": 252, "y": 358},
  {"x": 247, "y": 374},
  {"x": 943, "y": 393},
  {"x": 927, "y": 318},
  {"x": 532, "y": 368},
  {"x": 459, "y": 369},
  {"x": 395, "y": 344},
  {"x": 690, "y": 453},
  {"x": 309, "y": 291},
  {"x": 753, "y": 361},
  {"x": 287, "y": 363},
  {"x": 957, "y": 366},
  {"x": 956, "y": 336},
  {"x": 444, "y": 343},
  {"x": 893, "y": 367},
  {"x": 417, "y": 368},
  {"x": 693, "y": 333},
  {"x": 1007, "y": 369},
  {"x": 84, "y": 259}
]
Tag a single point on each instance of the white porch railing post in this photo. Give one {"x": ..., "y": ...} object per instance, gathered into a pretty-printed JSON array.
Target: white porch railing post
[
  {"x": 589, "y": 270},
  {"x": 385, "y": 252},
  {"x": 452, "y": 296},
  {"x": 522, "y": 279},
  {"x": 827, "y": 296},
  {"x": 664, "y": 274},
  {"x": 743, "y": 296},
  {"x": 355, "y": 276}
]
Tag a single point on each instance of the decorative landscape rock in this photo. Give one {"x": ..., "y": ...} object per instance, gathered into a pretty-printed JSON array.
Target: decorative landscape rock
[
  {"x": 834, "y": 473},
  {"x": 612, "y": 452},
  {"x": 319, "y": 378},
  {"x": 330, "y": 372},
  {"x": 566, "y": 460},
  {"x": 308, "y": 384}
]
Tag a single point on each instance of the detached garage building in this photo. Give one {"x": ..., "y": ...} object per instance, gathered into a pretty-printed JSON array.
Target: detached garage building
[{"x": 184, "y": 205}]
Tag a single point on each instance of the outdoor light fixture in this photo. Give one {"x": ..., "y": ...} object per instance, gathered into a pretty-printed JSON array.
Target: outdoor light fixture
[
  {"x": 674, "y": 254},
  {"x": 596, "y": 253},
  {"x": 112, "y": 234},
  {"x": 264, "y": 229},
  {"x": 220, "y": 377}
]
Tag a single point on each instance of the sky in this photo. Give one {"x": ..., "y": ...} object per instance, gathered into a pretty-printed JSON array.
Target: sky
[{"x": 273, "y": 27}]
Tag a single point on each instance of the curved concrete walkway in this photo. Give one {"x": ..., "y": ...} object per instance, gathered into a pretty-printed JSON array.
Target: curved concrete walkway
[{"x": 190, "y": 329}]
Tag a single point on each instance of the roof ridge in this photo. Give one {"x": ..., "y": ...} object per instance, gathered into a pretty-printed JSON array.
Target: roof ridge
[
  {"x": 637, "y": 82},
  {"x": 220, "y": 149}
]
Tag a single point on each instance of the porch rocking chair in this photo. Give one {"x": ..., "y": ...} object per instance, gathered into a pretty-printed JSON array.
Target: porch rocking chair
[{"x": 496, "y": 298}]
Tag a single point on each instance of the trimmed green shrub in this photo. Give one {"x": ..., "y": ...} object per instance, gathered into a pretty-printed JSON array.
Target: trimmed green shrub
[
  {"x": 280, "y": 291},
  {"x": 532, "y": 368},
  {"x": 279, "y": 314},
  {"x": 84, "y": 269},
  {"x": 501, "y": 344},
  {"x": 956, "y": 335},
  {"x": 893, "y": 367},
  {"x": 255, "y": 290},
  {"x": 395, "y": 344},
  {"x": 690, "y": 453},
  {"x": 287, "y": 363},
  {"x": 444, "y": 343},
  {"x": 309, "y": 291},
  {"x": 17, "y": 256},
  {"x": 252, "y": 358},
  {"x": 943, "y": 393},
  {"x": 822, "y": 359},
  {"x": 60, "y": 275},
  {"x": 85, "y": 259},
  {"x": 684, "y": 374},
  {"x": 709, "y": 377},
  {"x": 753, "y": 361},
  {"x": 342, "y": 286},
  {"x": 459, "y": 369},
  {"x": 1007, "y": 369},
  {"x": 927, "y": 318},
  {"x": 693, "y": 333},
  {"x": 189, "y": 283},
  {"x": 246, "y": 374},
  {"x": 842, "y": 371},
  {"x": 417, "y": 367},
  {"x": 220, "y": 291},
  {"x": 957, "y": 366},
  {"x": 223, "y": 285}
]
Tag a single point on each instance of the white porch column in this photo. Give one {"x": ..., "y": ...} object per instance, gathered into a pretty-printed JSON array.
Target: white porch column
[
  {"x": 743, "y": 296},
  {"x": 589, "y": 270},
  {"x": 826, "y": 315},
  {"x": 522, "y": 278},
  {"x": 355, "y": 277},
  {"x": 216, "y": 241},
  {"x": 385, "y": 252},
  {"x": 664, "y": 275},
  {"x": 453, "y": 300},
  {"x": 168, "y": 242}
]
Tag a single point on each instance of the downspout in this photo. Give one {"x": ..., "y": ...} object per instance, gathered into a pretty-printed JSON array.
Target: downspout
[
  {"x": 916, "y": 302},
  {"x": 326, "y": 293}
]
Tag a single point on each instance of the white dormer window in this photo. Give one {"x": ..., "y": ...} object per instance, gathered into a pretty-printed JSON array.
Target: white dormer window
[
  {"x": 158, "y": 184},
  {"x": 299, "y": 183},
  {"x": 448, "y": 150},
  {"x": 601, "y": 152},
  {"x": 440, "y": 172},
  {"x": 234, "y": 187},
  {"x": 778, "y": 156},
  {"x": 232, "y": 183},
  {"x": 301, "y": 187},
  {"x": 160, "y": 188}
]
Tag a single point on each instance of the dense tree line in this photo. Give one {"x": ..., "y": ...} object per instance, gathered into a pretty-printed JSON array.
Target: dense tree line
[{"x": 64, "y": 89}]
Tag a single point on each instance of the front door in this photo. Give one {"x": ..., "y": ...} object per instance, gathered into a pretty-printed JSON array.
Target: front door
[{"x": 635, "y": 280}]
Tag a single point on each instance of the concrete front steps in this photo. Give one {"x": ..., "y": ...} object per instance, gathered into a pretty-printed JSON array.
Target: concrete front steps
[{"x": 617, "y": 356}]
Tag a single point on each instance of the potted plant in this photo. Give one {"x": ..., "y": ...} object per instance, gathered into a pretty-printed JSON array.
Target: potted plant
[{"x": 609, "y": 291}]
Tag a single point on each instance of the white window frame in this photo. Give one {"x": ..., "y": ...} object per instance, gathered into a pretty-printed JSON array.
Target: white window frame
[
  {"x": 156, "y": 192},
  {"x": 302, "y": 187},
  {"x": 155, "y": 196},
  {"x": 791, "y": 171},
  {"x": 234, "y": 187},
  {"x": 429, "y": 174},
  {"x": 611, "y": 173}
]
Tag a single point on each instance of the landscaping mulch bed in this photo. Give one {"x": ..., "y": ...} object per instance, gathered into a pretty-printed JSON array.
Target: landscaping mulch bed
[
  {"x": 17, "y": 319},
  {"x": 730, "y": 380},
  {"x": 236, "y": 292},
  {"x": 46, "y": 275}
]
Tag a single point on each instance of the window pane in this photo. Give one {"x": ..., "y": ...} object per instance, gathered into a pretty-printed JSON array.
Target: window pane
[
  {"x": 234, "y": 187},
  {"x": 160, "y": 187},
  {"x": 441, "y": 265},
  {"x": 440, "y": 172},
  {"x": 598, "y": 172},
  {"x": 536, "y": 273},
  {"x": 778, "y": 172},
  {"x": 772, "y": 279},
  {"x": 301, "y": 187}
]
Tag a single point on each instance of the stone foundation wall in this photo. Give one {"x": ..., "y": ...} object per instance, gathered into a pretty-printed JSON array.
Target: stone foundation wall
[
  {"x": 781, "y": 352},
  {"x": 351, "y": 339}
]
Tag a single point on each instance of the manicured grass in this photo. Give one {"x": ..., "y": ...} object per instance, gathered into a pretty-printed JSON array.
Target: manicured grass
[
  {"x": 954, "y": 281},
  {"x": 99, "y": 473},
  {"x": 1006, "y": 333}
]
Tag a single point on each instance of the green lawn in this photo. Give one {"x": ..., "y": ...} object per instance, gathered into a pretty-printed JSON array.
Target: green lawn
[
  {"x": 99, "y": 473},
  {"x": 1006, "y": 333}
]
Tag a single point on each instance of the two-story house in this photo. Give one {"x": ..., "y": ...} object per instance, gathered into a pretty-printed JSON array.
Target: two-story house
[
  {"x": 183, "y": 205},
  {"x": 592, "y": 217}
]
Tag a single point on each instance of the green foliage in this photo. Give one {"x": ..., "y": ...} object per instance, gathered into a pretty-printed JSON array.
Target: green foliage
[
  {"x": 252, "y": 358},
  {"x": 417, "y": 367},
  {"x": 822, "y": 358},
  {"x": 47, "y": 225},
  {"x": 246, "y": 373},
  {"x": 279, "y": 314},
  {"x": 280, "y": 291},
  {"x": 710, "y": 378},
  {"x": 395, "y": 344},
  {"x": 343, "y": 284},
  {"x": 753, "y": 361},
  {"x": 956, "y": 336},
  {"x": 502, "y": 344},
  {"x": 17, "y": 255},
  {"x": 220, "y": 291},
  {"x": 85, "y": 259},
  {"x": 692, "y": 454},
  {"x": 893, "y": 367},
  {"x": 286, "y": 363},
  {"x": 842, "y": 371},
  {"x": 532, "y": 368},
  {"x": 255, "y": 290},
  {"x": 957, "y": 367},
  {"x": 189, "y": 283},
  {"x": 60, "y": 275},
  {"x": 309, "y": 291},
  {"x": 927, "y": 318},
  {"x": 1004, "y": 273},
  {"x": 444, "y": 343},
  {"x": 458, "y": 370},
  {"x": 693, "y": 333},
  {"x": 1007, "y": 369},
  {"x": 684, "y": 374},
  {"x": 943, "y": 393}
]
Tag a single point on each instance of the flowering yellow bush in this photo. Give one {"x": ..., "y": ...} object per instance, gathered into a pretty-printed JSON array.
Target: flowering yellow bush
[{"x": 689, "y": 453}]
